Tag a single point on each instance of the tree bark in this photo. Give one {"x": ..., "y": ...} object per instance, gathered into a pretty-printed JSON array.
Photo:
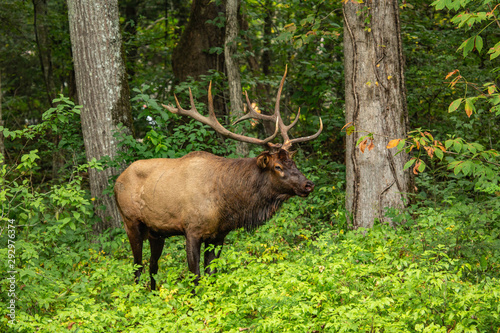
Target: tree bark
[
  {"x": 102, "y": 90},
  {"x": 191, "y": 57},
  {"x": 376, "y": 103},
  {"x": 44, "y": 47},
  {"x": 233, "y": 68},
  {"x": 130, "y": 11},
  {"x": 2, "y": 145}
]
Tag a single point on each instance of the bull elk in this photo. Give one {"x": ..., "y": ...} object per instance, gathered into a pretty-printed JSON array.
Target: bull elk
[{"x": 203, "y": 196}]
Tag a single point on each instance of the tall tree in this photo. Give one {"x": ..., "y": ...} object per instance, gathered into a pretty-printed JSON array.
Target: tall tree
[
  {"x": 44, "y": 47},
  {"x": 376, "y": 103},
  {"x": 102, "y": 90},
  {"x": 192, "y": 56},
  {"x": 2, "y": 146},
  {"x": 232, "y": 66}
]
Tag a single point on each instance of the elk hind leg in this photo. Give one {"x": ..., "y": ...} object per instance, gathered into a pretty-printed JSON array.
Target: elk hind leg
[
  {"x": 193, "y": 245},
  {"x": 212, "y": 254},
  {"x": 136, "y": 233},
  {"x": 156, "y": 243}
]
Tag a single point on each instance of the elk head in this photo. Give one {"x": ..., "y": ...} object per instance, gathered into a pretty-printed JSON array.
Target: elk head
[{"x": 285, "y": 175}]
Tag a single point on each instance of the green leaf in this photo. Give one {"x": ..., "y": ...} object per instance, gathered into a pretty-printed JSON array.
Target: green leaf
[
  {"x": 439, "y": 153},
  {"x": 483, "y": 262},
  {"x": 401, "y": 144},
  {"x": 458, "y": 167},
  {"x": 466, "y": 167},
  {"x": 468, "y": 46},
  {"x": 479, "y": 44},
  {"x": 455, "y": 104},
  {"x": 439, "y": 4},
  {"x": 361, "y": 139},
  {"x": 457, "y": 146},
  {"x": 421, "y": 167},
  {"x": 494, "y": 51},
  {"x": 349, "y": 130},
  {"x": 409, "y": 163}
]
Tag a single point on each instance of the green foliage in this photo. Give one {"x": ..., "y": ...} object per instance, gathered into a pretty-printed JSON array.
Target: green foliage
[
  {"x": 167, "y": 135},
  {"x": 295, "y": 273},
  {"x": 304, "y": 270}
]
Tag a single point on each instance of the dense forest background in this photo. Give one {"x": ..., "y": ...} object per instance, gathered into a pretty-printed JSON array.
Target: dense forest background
[{"x": 435, "y": 268}]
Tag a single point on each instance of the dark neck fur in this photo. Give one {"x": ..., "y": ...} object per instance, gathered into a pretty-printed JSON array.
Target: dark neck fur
[{"x": 247, "y": 197}]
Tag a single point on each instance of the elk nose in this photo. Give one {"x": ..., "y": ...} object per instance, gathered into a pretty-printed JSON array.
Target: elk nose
[{"x": 309, "y": 186}]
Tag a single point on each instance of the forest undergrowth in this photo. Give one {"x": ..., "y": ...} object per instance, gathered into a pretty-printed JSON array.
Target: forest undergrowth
[{"x": 304, "y": 271}]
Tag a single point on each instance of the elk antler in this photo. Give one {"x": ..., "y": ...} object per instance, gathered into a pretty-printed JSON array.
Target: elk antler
[
  {"x": 287, "y": 143},
  {"x": 212, "y": 121}
]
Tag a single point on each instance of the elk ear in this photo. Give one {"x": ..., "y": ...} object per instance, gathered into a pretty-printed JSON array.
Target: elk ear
[
  {"x": 263, "y": 160},
  {"x": 292, "y": 153}
]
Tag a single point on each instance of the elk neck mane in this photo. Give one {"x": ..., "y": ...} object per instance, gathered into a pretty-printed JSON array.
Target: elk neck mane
[{"x": 248, "y": 198}]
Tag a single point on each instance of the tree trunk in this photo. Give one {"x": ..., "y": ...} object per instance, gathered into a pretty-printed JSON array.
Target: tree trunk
[
  {"x": 44, "y": 47},
  {"x": 233, "y": 68},
  {"x": 130, "y": 11},
  {"x": 191, "y": 57},
  {"x": 102, "y": 90},
  {"x": 2, "y": 146},
  {"x": 376, "y": 103}
]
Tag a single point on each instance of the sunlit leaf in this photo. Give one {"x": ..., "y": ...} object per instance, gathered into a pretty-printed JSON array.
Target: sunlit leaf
[
  {"x": 451, "y": 74},
  {"x": 401, "y": 144},
  {"x": 439, "y": 153},
  {"x": 469, "y": 107},
  {"x": 393, "y": 143}
]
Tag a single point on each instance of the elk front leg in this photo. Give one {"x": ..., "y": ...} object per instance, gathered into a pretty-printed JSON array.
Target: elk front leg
[{"x": 193, "y": 245}]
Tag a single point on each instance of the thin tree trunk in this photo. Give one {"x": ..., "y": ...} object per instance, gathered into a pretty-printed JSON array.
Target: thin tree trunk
[
  {"x": 102, "y": 90},
  {"x": 376, "y": 103},
  {"x": 268, "y": 26},
  {"x": 44, "y": 47},
  {"x": 2, "y": 145},
  {"x": 131, "y": 18},
  {"x": 233, "y": 68}
]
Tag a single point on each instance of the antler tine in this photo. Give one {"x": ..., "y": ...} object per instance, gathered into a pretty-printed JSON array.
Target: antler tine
[
  {"x": 212, "y": 120},
  {"x": 252, "y": 114},
  {"x": 287, "y": 144},
  {"x": 283, "y": 128}
]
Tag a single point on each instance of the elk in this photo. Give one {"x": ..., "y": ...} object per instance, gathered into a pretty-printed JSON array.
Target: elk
[{"x": 203, "y": 196}]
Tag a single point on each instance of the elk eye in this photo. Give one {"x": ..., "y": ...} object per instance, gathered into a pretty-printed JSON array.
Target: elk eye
[{"x": 278, "y": 168}]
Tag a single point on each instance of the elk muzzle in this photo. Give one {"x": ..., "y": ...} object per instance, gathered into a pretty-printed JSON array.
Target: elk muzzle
[{"x": 306, "y": 188}]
